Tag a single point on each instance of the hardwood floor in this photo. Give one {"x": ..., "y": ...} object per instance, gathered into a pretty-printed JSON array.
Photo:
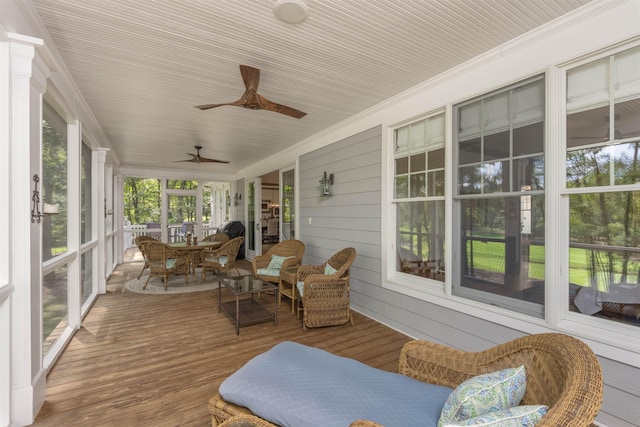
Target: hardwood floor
[{"x": 156, "y": 360}]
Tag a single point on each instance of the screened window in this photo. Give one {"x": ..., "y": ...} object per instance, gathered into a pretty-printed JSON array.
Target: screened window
[
  {"x": 54, "y": 227},
  {"x": 85, "y": 202},
  {"x": 602, "y": 172},
  {"x": 500, "y": 201},
  {"x": 419, "y": 179}
]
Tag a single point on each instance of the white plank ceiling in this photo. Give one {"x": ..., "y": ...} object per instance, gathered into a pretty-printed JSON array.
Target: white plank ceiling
[{"x": 142, "y": 65}]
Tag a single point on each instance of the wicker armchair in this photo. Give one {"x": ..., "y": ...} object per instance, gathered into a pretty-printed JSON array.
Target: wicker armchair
[
  {"x": 245, "y": 420},
  {"x": 140, "y": 241},
  {"x": 165, "y": 261},
  {"x": 325, "y": 298},
  {"x": 288, "y": 248},
  {"x": 211, "y": 258},
  {"x": 562, "y": 373}
]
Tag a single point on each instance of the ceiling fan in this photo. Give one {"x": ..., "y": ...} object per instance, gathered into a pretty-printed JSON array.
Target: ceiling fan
[
  {"x": 197, "y": 158},
  {"x": 252, "y": 100}
]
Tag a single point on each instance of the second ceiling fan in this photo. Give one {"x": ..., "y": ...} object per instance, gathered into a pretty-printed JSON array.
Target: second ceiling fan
[
  {"x": 252, "y": 100},
  {"x": 197, "y": 158}
]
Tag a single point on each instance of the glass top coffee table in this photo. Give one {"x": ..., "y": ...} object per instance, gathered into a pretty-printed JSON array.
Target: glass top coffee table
[{"x": 245, "y": 309}]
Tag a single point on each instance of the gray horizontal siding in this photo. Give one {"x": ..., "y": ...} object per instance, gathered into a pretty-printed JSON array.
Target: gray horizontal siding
[{"x": 352, "y": 218}]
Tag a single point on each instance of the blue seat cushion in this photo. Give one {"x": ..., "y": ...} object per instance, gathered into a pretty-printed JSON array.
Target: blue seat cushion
[{"x": 294, "y": 385}]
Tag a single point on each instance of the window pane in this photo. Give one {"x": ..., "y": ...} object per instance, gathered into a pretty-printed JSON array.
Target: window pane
[
  {"x": 588, "y": 167},
  {"x": 626, "y": 157},
  {"x": 436, "y": 183},
  {"x": 402, "y": 187},
  {"x": 528, "y": 139},
  {"x": 604, "y": 258},
  {"x": 529, "y": 173},
  {"x": 54, "y": 182},
  {"x": 494, "y": 176},
  {"x": 402, "y": 165},
  {"x": 54, "y": 306},
  {"x": 469, "y": 180},
  {"x": 470, "y": 151},
  {"x": 85, "y": 228},
  {"x": 503, "y": 247},
  {"x": 588, "y": 127},
  {"x": 496, "y": 146},
  {"x": 421, "y": 238},
  {"x": 627, "y": 119},
  {"x": 418, "y": 162},
  {"x": 418, "y": 185},
  {"x": 436, "y": 159}
]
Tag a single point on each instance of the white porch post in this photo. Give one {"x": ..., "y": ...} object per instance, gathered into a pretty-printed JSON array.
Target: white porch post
[
  {"x": 101, "y": 156},
  {"x": 27, "y": 82},
  {"x": 118, "y": 217}
]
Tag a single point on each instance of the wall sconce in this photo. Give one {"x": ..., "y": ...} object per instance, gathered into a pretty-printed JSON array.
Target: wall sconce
[
  {"x": 237, "y": 198},
  {"x": 326, "y": 185},
  {"x": 47, "y": 209}
]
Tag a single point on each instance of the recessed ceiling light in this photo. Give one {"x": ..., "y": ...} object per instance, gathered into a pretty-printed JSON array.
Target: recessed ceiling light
[{"x": 291, "y": 11}]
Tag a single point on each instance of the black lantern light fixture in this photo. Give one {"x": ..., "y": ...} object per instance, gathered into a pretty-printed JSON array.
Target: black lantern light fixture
[{"x": 326, "y": 184}]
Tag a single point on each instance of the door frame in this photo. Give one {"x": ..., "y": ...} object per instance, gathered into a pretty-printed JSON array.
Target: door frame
[{"x": 256, "y": 227}]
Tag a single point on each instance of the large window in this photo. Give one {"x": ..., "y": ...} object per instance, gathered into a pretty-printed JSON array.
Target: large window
[
  {"x": 54, "y": 228},
  {"x": 419, "y": 180},
  {"x": 499, "y": 200},
  {"x": 602, "y": 177}
]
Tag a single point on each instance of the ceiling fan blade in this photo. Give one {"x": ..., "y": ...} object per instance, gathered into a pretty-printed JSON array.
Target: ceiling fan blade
[
  {"x": 208, "y": 106},
  {"x": 205, "y": 160},
  {"x": 250, "y": 77},
  {"x": 265, "y": 104}
]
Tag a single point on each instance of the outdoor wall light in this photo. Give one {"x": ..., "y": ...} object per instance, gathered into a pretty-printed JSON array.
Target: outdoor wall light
[
  {"x": 47, "y": 209},
  {"x": 326, "y": 184},
  {"x": 237, "y": 198}
]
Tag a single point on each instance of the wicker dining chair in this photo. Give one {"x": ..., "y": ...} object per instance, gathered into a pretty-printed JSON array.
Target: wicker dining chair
[
  {"x": 165, "y": 261},
  {"x": 140, "y": 243},
  {"x": 221, "y": 259},
  {"x": 324, "y": 290}
]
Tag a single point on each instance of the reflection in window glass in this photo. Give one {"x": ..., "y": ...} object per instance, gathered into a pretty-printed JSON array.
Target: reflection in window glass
[
  {"x": 54, "y": 306},
  {"x": 604, "y": 255},
  {"x": 421, "y": 238},
  {"x": 420, "y": 174},
  {"x": 602, "y": 153},
  {"x": 500, "y": 200},
  {"x": 503, "y": 247}
]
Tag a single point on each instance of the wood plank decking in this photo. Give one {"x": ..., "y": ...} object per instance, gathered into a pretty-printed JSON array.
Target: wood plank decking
[{"x": 156, "y": 360}]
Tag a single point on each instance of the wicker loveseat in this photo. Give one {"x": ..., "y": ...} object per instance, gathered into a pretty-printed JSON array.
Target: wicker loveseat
[{"x": 562, "y": 373}]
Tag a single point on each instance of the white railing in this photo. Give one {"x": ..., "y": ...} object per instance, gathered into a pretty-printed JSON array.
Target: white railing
[{"x": 174, "y": 233}]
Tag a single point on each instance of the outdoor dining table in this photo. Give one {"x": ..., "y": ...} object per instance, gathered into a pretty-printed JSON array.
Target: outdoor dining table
[{"x": 194, "y": 250}]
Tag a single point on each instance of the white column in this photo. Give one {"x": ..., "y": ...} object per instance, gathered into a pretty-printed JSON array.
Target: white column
[
  {"x": 98, "y": 175},
  {"x": 74, "y": 219},
  {"x": 27, "y": 82},
  {"x": 118, "y": 217}
]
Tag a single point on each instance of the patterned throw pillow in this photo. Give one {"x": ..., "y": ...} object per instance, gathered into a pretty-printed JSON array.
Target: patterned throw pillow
[
  {"x": 521, "y": 416},
  {"x": 276, "y": 262},
  {"x": 484, "y": 393},
  {"x": 329, "y": 270}
]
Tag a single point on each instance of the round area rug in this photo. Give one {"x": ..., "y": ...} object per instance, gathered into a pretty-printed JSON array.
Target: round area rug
[{"x": 176, "y": 285}]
